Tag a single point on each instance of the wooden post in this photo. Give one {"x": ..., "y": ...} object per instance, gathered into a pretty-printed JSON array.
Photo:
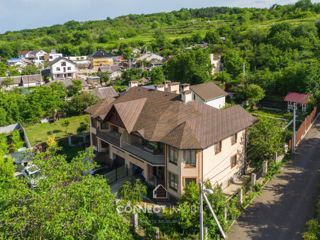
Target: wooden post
[
  {"x": 225, "y": 214},
  {"x": 157, "y": 233},
  {"x": 240, "y": 193},
  {"x": 253, "y": 179},
  {"x": 206, "y": 235},
  {"x": 135, "y": 222},
  {"x": 264, "y": 168}
]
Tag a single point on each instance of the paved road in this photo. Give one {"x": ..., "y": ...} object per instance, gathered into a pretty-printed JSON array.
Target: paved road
[{"x": 288, "y": 201}]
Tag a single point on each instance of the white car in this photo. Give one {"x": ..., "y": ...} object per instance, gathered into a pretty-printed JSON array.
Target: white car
[{"x": 32, "y": 173}]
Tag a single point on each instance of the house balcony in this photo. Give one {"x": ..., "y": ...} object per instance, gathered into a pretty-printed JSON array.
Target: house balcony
[
  {"x": 109, "y": 137},
  {"x": 155, "y": 159},
  {"x": 136, "y": 150}
]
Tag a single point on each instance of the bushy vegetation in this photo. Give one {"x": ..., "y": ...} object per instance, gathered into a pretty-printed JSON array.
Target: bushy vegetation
[
  {"x": 41, "y": 102},
  {"x": 66, "y": 203}
]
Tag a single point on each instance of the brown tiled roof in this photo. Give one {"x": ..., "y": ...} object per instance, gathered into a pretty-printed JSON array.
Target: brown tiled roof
[
  {"x": 208, "y": 91},
  {"x": 104, "y": 92},
  {"x": 100, "y": 109},
  {"x": 163, "y": 117}
]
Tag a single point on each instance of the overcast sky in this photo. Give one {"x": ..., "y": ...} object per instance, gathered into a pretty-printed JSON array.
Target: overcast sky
[{"x": 22, "y": 14}]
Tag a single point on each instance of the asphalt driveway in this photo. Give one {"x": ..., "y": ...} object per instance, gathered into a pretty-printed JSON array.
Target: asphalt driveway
[{"x": 288, "y": 201}]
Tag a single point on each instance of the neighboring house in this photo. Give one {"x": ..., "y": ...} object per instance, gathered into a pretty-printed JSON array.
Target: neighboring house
[
  {"x": 199, "y": 45},
  {"x": 20, "y": 62},
  {"x": 104, "y": 92},
  {"x": 93, "y": 81},
  {"x": 216, "y": 63},
  {"x": 24, "y": 54},
  {"x": 170, "y": 139},
  {"x": 300, "y": 99},
  {"x": 150, "y": 57},
  {"x": 37, "y": 56},
  {"x": 53, "y": 55},
  {"x": 62, "y": 68},
  {"x": 16, "y": 82},
  {"x": 210, "y": 94},
  {"x": 115, "y": 71},
  {"x": 23, "y": 81},
  {"x": 101, "y": 58},
  {"x": 80, "y": 61},
  {"x": 31, "y": 80}
]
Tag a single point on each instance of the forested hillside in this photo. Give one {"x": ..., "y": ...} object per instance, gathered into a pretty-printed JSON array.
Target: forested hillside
[
  {"x": 280, "y": 46},
  {"x": 180, "y": 28}
]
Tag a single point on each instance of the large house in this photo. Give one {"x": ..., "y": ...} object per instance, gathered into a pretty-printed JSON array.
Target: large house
[
  {"x": 101, "y": 58},
  {"x": 61, "y": 68},
  {"x": 210, "y": 94},
  {"x": 170, "y": 139}
]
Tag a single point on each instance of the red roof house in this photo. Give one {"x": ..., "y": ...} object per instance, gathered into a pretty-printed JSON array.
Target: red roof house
[
  {"x": 297, "y": 98},
  {"x": 293, "y": 97}
]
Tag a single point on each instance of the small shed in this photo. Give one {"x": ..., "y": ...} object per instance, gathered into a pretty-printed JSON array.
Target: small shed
[{"x": 300, "y": 99}]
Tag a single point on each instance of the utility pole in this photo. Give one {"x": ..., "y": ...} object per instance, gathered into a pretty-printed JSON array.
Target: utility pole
[
  {"x": 294, "y": 127},
  {"x": 201, "y": 212}
]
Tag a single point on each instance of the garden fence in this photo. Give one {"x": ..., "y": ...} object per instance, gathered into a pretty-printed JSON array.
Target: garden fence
[{"x": 304, "y": 127}]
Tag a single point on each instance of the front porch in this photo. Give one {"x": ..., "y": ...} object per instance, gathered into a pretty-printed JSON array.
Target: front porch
[{"x": 141, "y": 162}]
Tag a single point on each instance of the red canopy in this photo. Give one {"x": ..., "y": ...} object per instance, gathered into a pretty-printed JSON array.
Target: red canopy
[{"x": 297, "y": 98}]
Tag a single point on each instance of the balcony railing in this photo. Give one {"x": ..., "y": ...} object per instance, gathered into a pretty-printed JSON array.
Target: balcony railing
[
  {"x": 139, "y": 151},
  {"x": 109, "y": 137},
  {"x": 157, "y": 159}
]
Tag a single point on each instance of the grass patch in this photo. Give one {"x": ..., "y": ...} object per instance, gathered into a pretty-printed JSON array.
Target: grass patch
[
  {"x": 272, "y": 114},
  {"x": 39, "y": 133}
]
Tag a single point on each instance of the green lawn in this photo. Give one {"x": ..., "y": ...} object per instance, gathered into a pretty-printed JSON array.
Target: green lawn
[
  {"x": 39, "y": 133},
  {"x": 273, "y": 114}
]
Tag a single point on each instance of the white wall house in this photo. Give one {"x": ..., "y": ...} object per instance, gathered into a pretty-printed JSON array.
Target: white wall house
[
  {"x": 37, "y": 56},
  {"x": 210, "y": 94},
  {"x": 53, "y": 55},
  {"x": 62, "y": 68},
  {"x": 216, "y": 63}
]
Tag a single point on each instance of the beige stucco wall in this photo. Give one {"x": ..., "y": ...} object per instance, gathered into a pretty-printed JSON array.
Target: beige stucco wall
[
  {"x": 218, "y": 166},
  {"x": 181, "y": 171}
]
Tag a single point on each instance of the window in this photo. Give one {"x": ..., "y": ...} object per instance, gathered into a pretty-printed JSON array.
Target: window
[
  {"x": 173, "y": 155},
  {"x": 63, "y": 64},
  {"x": 234, "y": 138},
  {"x": 104, "y": 125},
  {"x": 173, "y": 181},
  {"x": 69, "y": 68},
  {"x": 189, "y": 180},
  {"x": 69, "y": 74},
  {"x": 233, "y": 161},
  {"x": 190, "y": 158},
  {"x": 58, "y": 69},
  {"x": 218, "y": 147}
]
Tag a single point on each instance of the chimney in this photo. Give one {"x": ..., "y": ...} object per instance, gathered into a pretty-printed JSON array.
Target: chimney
[
  {"x": 133, "y": 84},
  {"x": 186, "y": 96},
  {"x": 159, "y": 87},
  {"x": 167, "y": 83},
  {"x": 185, "y": 87},
  {"x": 174, "y": 87}
]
